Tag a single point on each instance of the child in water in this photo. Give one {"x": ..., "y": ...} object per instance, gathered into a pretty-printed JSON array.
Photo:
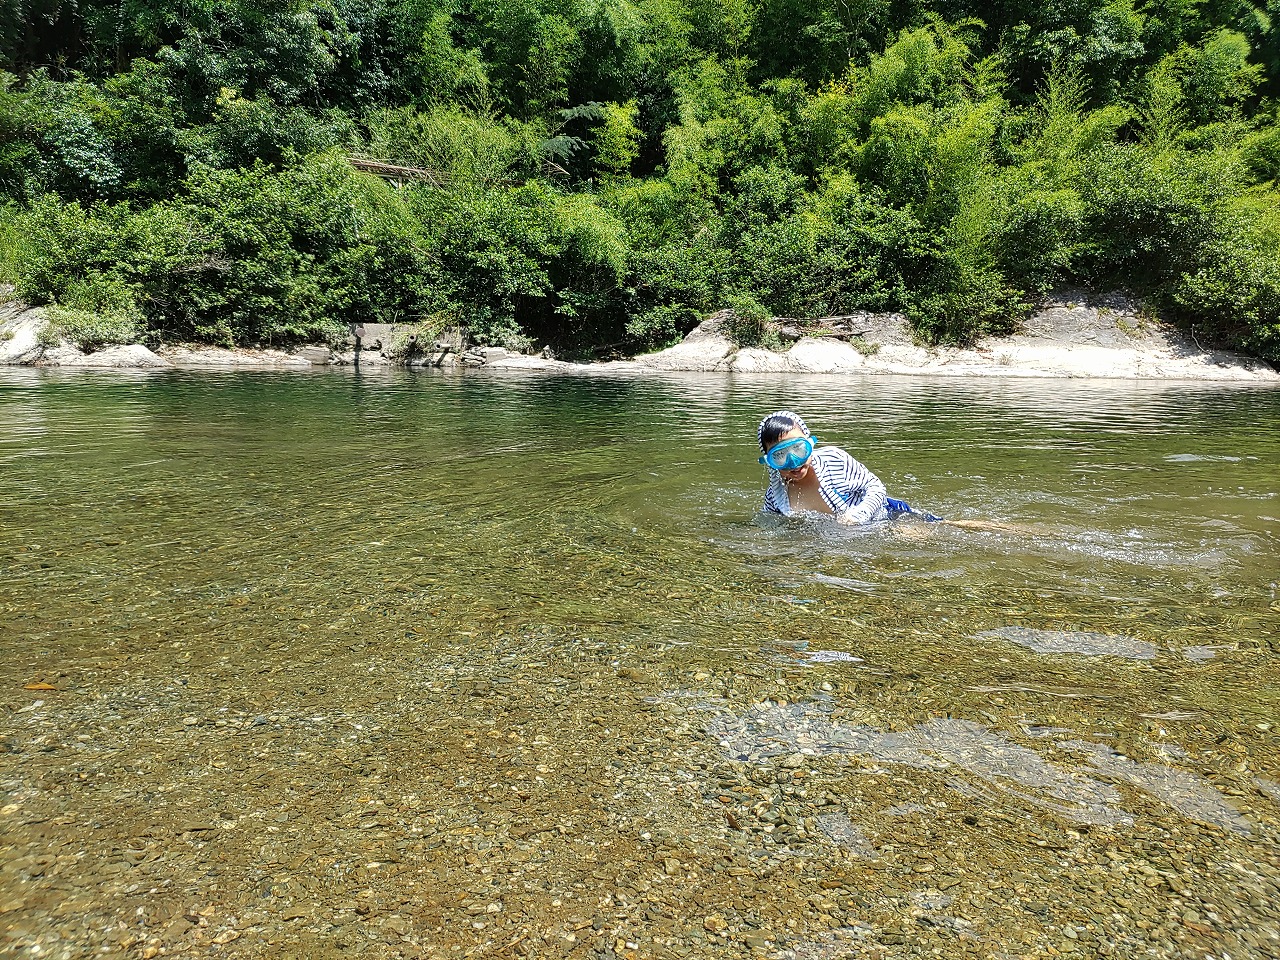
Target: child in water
[{"x": 803, "y": 478}]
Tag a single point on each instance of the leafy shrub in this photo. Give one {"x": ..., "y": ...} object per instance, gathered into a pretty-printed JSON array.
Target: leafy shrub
[
  {"x": 955, "y": 291},
  {"x": 1060, "y": 131},
  {"x": 676, "y": 262},
  {"x": 1101, "y": 40},
  {"x": 1147, "y": 216},
  {"x": 761, "y": 195},
  {"x": 494, "y": 248},
  {"x": 845, "y": 251},
  {"x": 299, "y": 253},
  {"x": 748, "y": 323},
  {"x": 779, "y": 267},
  {"x": 251, "y": 256},
  {"x": 724, "y": 127},
  {"x": 405, "y": 341},
  {"x": 13, "y": 244},
  {"x": 65, "y": 241},
  {"x": 47, "y": 336},
  {"x": 95, "y": 311},
  {"x": 617, "y": 139},
  {"x": 963, "y": 300},
  {"x": 662, "y": 325},
  {"x": 1039, "y": 236},
  {"x": 53, "y": 140},
  {"x": 1216, "y": 76},
  {"x": 443, "y": 71},
  {"x": 672, "y": 287},
  {"x": 532, "y": 261},
  {"x": 1233, "y": 294},
  {"x": 1261, "y": 152},
  {"x": 588, "y": 271},
  {"x": 244, "y": 131},
  {"x": 461, "y": 148},
  {"x": 94, "y": 330}
]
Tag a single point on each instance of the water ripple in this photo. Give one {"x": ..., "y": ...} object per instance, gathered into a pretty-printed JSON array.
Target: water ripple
[
  {"x": 769, "y": 730},
  {"x": 1190, "y": 795},
  {"x": 1075, "y": 641}
]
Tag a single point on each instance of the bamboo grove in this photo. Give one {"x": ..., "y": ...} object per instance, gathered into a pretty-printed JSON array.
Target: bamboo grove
[{"x": 601, "y": 174}]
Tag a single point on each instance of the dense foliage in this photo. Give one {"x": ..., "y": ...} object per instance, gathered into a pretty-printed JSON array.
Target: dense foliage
[{"x": 599, "y": 174}]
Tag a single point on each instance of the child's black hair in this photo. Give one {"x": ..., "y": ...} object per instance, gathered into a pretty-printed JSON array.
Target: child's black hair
[{"x": 775, "y": 425}]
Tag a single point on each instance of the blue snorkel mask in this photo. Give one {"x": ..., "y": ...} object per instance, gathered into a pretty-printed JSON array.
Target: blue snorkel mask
[{"x": 790, "y": 454}]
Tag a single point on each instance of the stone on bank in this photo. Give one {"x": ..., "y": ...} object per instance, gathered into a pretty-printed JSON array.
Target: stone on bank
[{"x": 1069, "y": 337}]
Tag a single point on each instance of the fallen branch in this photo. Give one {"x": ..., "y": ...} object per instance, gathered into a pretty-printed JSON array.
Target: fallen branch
[
  {"x": 822, "y": 326},
  {"x": 392, "y": 171}
]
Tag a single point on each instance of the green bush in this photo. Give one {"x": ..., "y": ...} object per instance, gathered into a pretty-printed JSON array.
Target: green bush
[
  {"x": 530, "y": 261},
  {"x": 64, "y": 241},
  {"x": 13, "y": 243},
  {"x": 93, "y": 330},
  {"x": 676, "y": 263},
  {"x": 617, "y": 139},
  {"x": 748, "y": 325},
  {"x": 460, "y": 148},
  {"x": 1233, "y": 294},
  {"x": 1147, "y": 216},
  {"x": 1261, "y": 152},
  {"x": 248, "y": 257},
  {"x": 19, "y": 141},
  {"x": 845, "y": 251},
  {"x": 779, "y": 265},
  {"x": 661, "y": 326},
  {"x": 95, "y": 311},
  {"x": 672, "y": 287},
  {"x": 588, "y": 271},
  {"x": 964, "y": 301},
  {"x": 1039, "y": 236},
  {"x": 54, "y": 140},
  {"x": 954, "y": 290},
  {"x": 300, "y": 253},
  {"x": 494, "y": 249},
  {"x": 1179, "y": 228},
  {"x": 724, "y": 127},
  {"x": 245, "y": 131}
]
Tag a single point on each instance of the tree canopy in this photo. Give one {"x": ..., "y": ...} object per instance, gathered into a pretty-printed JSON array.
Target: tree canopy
[{"x": 599, "y": 174}]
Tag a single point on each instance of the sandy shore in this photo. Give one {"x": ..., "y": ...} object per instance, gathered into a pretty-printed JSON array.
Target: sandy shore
[{"x": 1106, "y": 338}]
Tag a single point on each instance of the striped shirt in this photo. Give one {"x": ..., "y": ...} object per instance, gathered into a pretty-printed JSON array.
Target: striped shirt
[{"x": 853, "y": 492}]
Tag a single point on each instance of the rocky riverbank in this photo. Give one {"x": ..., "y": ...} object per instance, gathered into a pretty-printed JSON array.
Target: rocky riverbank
[{"x": 1070, "y": 335}]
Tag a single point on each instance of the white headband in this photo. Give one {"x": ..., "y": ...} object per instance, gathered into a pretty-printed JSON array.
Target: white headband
[{"x": 786, "y": 414}]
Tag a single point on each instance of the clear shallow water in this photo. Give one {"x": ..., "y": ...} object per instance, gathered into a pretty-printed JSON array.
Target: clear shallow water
[
  {"x": 624, "y": 508},
  {"x": 1105, "y": 657}
]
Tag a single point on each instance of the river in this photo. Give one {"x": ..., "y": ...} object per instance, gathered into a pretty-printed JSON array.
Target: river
[{"x": 492, "y": 664}]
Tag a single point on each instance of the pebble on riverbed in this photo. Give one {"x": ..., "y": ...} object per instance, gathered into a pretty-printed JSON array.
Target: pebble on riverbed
[{"x": 537, "y": 806}]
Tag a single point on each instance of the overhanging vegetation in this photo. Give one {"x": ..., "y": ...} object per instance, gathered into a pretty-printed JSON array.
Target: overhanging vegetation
[{"x": 592, "y": 172}]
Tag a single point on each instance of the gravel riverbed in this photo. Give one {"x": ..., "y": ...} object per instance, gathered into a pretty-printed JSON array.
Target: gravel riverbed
[
  {"x": 363, "y": 800},
  {"x": 426, "y": 666}
]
